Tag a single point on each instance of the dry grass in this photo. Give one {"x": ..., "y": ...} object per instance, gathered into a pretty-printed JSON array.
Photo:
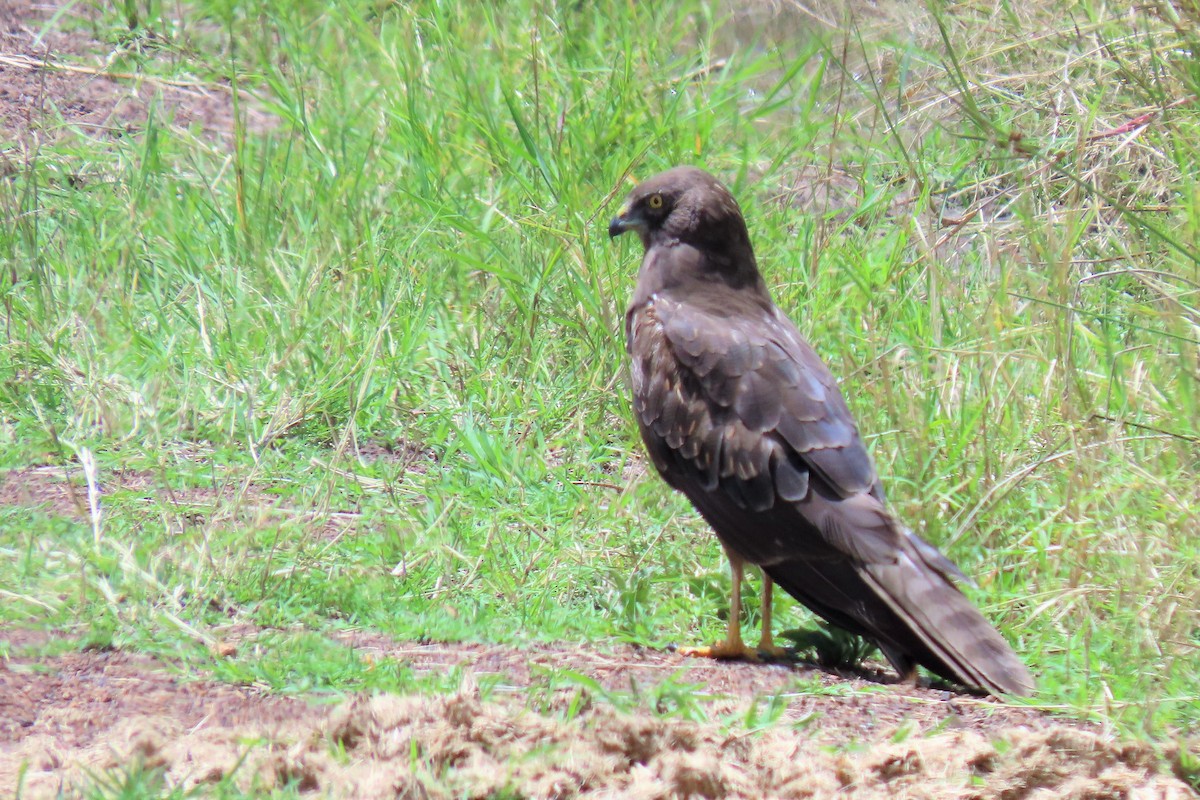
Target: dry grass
[{"x": 985, "y": 217}]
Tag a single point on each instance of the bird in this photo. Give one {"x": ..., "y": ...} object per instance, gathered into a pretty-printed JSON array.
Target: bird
[{"x": 738, "y": 413}]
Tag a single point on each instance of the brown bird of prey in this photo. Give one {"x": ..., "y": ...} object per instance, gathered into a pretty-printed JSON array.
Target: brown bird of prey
[{"x": 739, "y": 413}]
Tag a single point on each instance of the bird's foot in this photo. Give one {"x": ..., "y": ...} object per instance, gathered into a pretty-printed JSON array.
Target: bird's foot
[{"x": 722, "y": 651}]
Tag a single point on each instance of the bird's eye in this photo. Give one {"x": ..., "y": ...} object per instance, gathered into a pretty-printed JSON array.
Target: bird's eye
[{"x": 655, "y": 201}]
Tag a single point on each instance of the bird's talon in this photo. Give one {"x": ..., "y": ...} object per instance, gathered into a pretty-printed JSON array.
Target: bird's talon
[
  {"x": 720, "y": 652},
  {"x": 718, "y": 365}
]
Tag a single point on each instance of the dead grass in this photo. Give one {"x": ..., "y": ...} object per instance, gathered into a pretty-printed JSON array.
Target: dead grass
[
  {"x": 82, "y": 714},
  {"x": 63, "y": 78},
  {"x": 1023, "y": 161}
]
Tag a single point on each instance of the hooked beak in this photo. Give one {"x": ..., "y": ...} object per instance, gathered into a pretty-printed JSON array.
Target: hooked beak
[{"x": 625, "y": 220}]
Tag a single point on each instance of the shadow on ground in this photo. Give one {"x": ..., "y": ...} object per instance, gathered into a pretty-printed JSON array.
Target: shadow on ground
[{"x": 66, "y": 719}]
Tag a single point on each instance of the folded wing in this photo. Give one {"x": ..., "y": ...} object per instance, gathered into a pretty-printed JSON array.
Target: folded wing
[{"x": 740, "y": 414}]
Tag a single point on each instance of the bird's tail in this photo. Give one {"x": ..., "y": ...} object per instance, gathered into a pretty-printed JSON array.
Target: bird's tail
[
  {"x": 914, "y": 613},
  {"x": 956, "y": 641}
]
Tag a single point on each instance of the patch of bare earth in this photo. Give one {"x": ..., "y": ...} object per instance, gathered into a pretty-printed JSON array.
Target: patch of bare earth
[
  {"x": 55, "y": 76},
  {"x": 65, "y": 719},
  {"x": 61, "y": 718},
  {"x": 63, "y": 491}
]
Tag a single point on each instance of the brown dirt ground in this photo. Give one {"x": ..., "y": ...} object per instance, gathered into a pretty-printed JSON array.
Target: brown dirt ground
[
  {"x": 62, "y": 491},
  {"x": 61, "y": 82},
  {"x": 85, "y": 713},
  {"x": 65, "y": 718}
]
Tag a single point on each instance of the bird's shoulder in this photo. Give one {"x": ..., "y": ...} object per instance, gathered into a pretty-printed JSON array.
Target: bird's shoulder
[
  {"x": 742, "y": 369},
  {"x": 735, "y": 344}
]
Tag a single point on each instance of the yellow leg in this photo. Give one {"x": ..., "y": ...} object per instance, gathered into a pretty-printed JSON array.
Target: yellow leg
[{"x": 732, "y": 647}]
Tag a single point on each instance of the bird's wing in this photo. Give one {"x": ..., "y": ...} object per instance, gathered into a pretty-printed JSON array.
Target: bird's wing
[
  {"x": 740, "y": 414},
  {"x": 739, "y": 404}
]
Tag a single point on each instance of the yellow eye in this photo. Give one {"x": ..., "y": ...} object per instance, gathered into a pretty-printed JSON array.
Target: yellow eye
[{"x": 655, "y": 201}]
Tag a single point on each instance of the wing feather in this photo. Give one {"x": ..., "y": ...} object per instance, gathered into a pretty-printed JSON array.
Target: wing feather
[
  {"x": 756, "y": 378},
  {"x": 740, "y": 414}
]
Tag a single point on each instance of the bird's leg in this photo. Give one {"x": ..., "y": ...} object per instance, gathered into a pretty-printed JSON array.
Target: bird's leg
[
  {"x": 905, "y": 667},
  {"x": 766, "y": 643},
  {"x": 732, "y": 647}
]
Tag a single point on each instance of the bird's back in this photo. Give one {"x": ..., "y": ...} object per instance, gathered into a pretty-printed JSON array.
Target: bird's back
[{"x": 739, "y": 414}]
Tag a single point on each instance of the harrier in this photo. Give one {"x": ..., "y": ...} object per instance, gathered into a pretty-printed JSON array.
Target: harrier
[{"x": 739, "y": 413}]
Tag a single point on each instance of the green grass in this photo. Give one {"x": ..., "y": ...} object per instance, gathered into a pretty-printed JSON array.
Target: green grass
[{"x": 416, "y": 253}]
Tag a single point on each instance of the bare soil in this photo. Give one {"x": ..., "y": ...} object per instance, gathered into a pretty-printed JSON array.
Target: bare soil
[
  {"x": 63, "y": 491},
  {"x": 58, "y": 78},
  {"x": 548, "y": 727},
  {"x": 66, "y": 719}
]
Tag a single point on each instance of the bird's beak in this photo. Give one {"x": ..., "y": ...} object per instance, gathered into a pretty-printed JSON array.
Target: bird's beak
[{"x": 625, "y": 220}]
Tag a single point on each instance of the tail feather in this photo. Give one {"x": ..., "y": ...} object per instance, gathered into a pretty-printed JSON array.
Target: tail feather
[
  {"x": 914, "y": 613},
  {"x": 949, "y": 626}
]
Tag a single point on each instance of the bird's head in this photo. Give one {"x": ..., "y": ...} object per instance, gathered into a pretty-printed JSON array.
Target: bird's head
[
  {"x": 686, "y": 205},
  {"x": 682, "y": 203}
]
